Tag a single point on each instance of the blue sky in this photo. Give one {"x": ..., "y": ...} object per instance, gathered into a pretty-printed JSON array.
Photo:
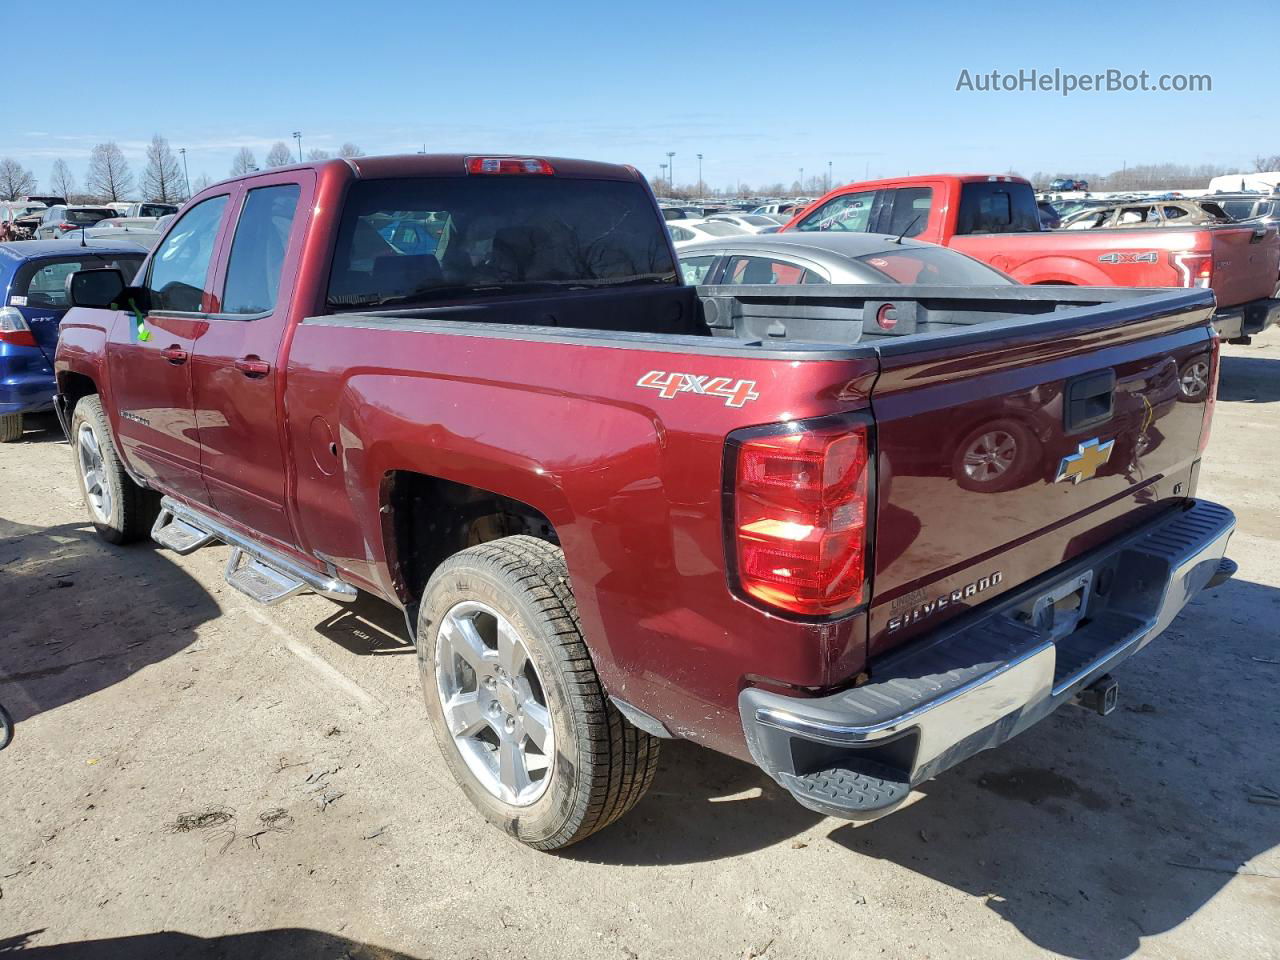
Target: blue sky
[{"x": 760, "y": 89}]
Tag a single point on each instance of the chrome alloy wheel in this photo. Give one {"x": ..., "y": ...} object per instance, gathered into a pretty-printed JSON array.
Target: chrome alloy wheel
[
  {"x": 494, "y": 703},
  {"x": 990, "y": 456},
  {"x": 97, "y": 489},
  {"x": 1194, "y": 380}
]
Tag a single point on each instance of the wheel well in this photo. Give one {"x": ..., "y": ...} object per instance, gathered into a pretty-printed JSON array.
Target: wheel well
[
  {"x": 428, "y": 519},
  {"x": 75, "y": 387}
]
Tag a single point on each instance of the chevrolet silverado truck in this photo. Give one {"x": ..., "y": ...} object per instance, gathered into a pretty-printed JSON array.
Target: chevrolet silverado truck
[
  {"x": 851, "y": 533},
  {"x": 993, "y": 218}
]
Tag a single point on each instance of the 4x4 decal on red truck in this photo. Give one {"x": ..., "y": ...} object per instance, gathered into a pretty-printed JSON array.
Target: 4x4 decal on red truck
[
  {"x": 735, "y": 393},
  {"x": 1147, "y": 256}
]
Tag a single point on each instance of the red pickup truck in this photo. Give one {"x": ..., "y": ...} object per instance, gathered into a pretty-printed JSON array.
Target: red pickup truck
[
  {"x": 851, "y": 533},
  {"x": 994, "y": 219}
]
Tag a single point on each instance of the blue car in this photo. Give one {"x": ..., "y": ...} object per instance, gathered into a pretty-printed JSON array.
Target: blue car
[{"x": 33, "y": 298}]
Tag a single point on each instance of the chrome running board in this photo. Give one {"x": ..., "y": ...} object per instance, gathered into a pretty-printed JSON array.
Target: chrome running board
[{"x": 255, "y": 570}]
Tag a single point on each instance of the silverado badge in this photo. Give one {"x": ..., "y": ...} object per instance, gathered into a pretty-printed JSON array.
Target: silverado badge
[{"x": 1084, "y": 463}]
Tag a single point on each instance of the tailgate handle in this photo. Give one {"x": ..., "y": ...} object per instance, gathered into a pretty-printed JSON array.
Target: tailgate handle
[{"x": 1089, "y": 400}]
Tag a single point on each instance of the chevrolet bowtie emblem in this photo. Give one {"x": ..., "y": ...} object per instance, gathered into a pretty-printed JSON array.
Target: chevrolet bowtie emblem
[{"x": 1084, "y": 463}]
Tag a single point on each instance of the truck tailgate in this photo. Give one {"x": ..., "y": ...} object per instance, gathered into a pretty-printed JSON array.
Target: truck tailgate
[
  {"x": 1004, "y": 452},
  {"x": 1246, "y": 264}
]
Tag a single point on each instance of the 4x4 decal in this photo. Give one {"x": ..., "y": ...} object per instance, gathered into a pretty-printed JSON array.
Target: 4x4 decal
[{"x": 735, "y": 393}]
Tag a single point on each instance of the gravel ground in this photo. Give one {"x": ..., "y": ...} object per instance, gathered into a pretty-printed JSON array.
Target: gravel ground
[{"x": 196, "y": 776}]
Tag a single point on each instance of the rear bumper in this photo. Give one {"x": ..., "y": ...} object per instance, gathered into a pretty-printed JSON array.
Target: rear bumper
[
  {"x": 26, "y": 382},
  {"x": 1247, "y": 319},
  {"x": 983, "y": 678}
]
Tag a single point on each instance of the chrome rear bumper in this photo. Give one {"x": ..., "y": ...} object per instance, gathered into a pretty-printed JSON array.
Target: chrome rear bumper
[{"x": 984, "y": 677}]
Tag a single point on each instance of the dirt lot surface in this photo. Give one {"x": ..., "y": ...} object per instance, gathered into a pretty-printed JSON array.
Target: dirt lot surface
[{"x": 196, "y": 776}]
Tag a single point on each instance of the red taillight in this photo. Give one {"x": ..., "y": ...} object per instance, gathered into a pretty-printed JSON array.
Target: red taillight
[
  {"x": 68, "y": 226},
  {"x": 511, "y": 165},
  {"x": 1194, "y": 269},
  {"x": 14, "y": 329},
  {"x": 800, "y": 516}
]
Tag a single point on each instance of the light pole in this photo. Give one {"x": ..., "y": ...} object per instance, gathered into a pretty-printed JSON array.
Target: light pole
[
  {"x": 828, "y": 176},
  {"x": 185, "y": 174},
  {"x": 802, "y": 179},
  {"x": 297, "y": 135},
  {"x": 671, "y": 170},
  {"x": 700, "y": 190},
  {"x": 663, "y": 168}
]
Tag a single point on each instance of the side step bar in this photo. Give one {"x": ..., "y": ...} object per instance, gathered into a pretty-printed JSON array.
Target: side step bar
[{"x": 255, "y": 570}]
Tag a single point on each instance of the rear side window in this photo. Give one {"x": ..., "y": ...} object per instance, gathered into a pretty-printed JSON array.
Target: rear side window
[
  {"x": 180, "y": 267},
  {"x": 44, "y": 284},
  {"x": 910, "y": 211},
  {"x": 411, "y": 241},
  {"x": 997, "y": 207},
  {"x": 693, "y": 270},
  {"x": 258, "y": 250},
  {"x": 848, "y": 212},
  {"x": 768, "y": 270}
]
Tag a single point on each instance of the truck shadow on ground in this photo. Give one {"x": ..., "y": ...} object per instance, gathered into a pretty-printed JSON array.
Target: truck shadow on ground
[
  {"x": 367, "y": 627},
  {"x": 284, "y": 943},
  {"x": 1249, "y": 380},
  {"x": 81, "y": 615},
  {"x": 1068, "y": 831}
]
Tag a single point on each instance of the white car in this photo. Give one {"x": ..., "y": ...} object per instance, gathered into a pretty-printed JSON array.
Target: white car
[
  {"x": 691, "y": 230},
  {"x": 749, "y": 222}
]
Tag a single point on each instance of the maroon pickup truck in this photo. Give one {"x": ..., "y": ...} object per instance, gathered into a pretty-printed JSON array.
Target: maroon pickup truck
[{"x": 852, "y": 533}]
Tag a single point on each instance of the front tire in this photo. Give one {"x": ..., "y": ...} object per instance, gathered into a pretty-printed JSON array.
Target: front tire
[
  {"x": 121, "y": 510},
  {"x": 514, "y": 700}
]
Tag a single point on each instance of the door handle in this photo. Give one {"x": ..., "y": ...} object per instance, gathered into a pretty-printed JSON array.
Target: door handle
[
  {"x": 253, "y": 367},
  {"x": 175, "y": 355}
]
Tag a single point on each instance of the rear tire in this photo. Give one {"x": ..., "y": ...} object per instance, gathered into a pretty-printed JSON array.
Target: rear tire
[
  {"x": 121, "y": 510},
  {"x": 10, "y": 427},
  {"x": 598, "y": 765}
]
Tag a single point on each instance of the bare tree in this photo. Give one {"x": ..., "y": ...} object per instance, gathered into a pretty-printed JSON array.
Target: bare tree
[
  {"x": 280, "y": 155},
  {"x": 163, "y": 178},
  {"x": 109, "y": 177},
  {"x": 61, "y": 180},
  {"x": 349, "y": 149},
  {"x": 1266, "y": 164},
  {"x": 200, "y": 182},
  {"x": 15, "y": 180},
  {"x": 317, "y": 155},
  {"x": 243, "y": 162}
]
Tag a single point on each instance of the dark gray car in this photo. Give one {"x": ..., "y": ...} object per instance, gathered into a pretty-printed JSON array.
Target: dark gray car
[{"x": 786, "y": 258}]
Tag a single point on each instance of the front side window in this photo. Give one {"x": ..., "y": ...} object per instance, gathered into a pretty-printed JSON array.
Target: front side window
[
  {"x": 180, "y": 267},
  {"x": 409, "y": 241},
  {"x": 847, "y": 212},
  {"x": 258, "y": 250}
]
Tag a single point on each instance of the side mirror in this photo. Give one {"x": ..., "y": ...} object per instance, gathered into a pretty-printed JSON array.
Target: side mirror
[{"x": 95, "y": 288}]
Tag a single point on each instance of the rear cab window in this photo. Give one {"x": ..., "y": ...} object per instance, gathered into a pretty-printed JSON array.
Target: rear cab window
[
  {"x": 418, "y": 240},
  {"x": 997, "y": 207}
]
